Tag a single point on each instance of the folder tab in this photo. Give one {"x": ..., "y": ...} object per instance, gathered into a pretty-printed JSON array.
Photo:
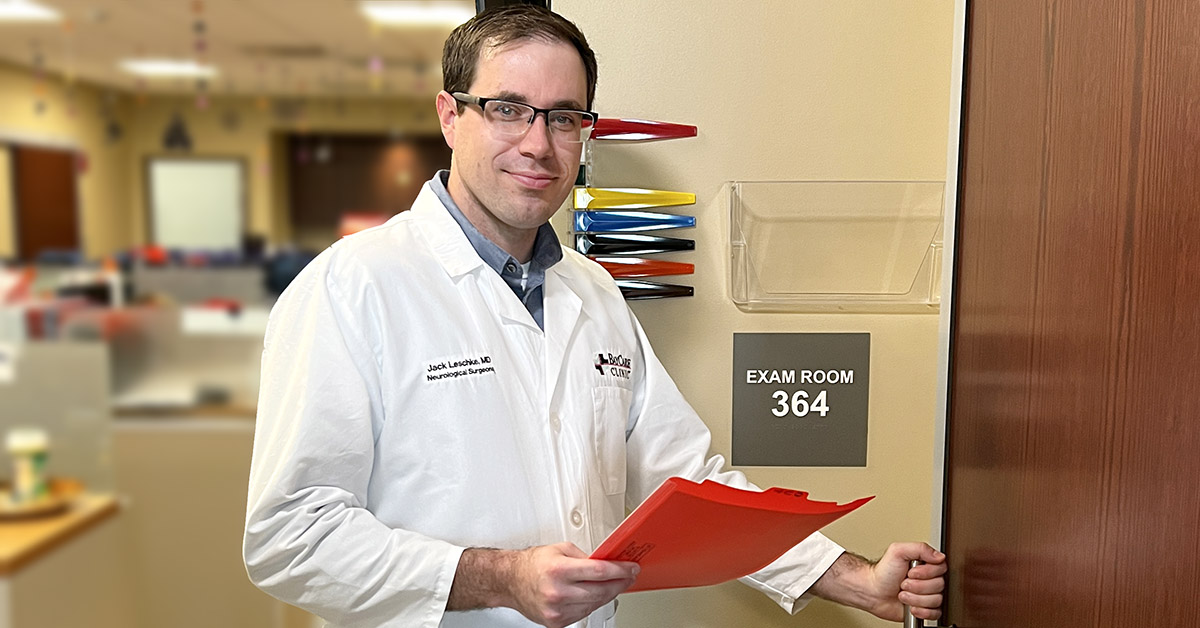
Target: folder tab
[
  {"x": 629, "y": 198},
  {"x": 637, "y": 290},
  {"x": 629, "y": 244},
  {"x": 635, "y": 267},
  {"x": 633, "y": 130},
  {"x": 609, "y": 221}
]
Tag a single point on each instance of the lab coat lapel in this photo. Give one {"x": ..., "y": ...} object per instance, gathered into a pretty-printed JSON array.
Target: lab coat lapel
[
  {"x": 456, "y": 254},
  {"x": 443, "y": 235},
  {"x": 562, "y": 307}
]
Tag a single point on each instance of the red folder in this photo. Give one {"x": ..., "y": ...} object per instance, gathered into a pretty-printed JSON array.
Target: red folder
[{"x": 692, "y": 535}]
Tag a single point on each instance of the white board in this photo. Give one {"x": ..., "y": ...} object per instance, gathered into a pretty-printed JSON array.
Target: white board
[{"x": 197, "y": 204}]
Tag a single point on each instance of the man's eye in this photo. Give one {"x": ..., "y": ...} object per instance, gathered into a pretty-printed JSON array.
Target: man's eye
[
  {"x": 566, "y": 120},
  {"x": 507, "y": 111}
]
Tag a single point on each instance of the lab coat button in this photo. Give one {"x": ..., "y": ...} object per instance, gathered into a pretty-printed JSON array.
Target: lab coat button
[
  {"x": 576, "y": 518},
  {"x": 555, "y": 423}
]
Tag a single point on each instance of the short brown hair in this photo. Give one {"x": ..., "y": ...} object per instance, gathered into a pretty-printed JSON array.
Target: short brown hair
[{"x": 501, "y": 26}]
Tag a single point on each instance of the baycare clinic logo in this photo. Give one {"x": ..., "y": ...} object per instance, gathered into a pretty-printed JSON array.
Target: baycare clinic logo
[{"x": 616, "y": 365}]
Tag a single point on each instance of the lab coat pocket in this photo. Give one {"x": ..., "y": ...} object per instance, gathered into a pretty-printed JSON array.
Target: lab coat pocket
[{"x": 611, "y": 413}]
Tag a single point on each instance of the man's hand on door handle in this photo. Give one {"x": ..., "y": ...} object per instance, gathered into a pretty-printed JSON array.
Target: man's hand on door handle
[{"x": 884, "y": 587}]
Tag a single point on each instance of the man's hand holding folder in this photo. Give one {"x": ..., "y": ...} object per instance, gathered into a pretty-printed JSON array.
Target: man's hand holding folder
[{"x": 551, "y": 585}]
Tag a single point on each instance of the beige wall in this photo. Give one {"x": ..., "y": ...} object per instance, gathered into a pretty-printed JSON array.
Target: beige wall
[
  {"x": 103, "y": 195},
  {"x": 782, "y": 90},
  {"x": 8, "y": 248}
]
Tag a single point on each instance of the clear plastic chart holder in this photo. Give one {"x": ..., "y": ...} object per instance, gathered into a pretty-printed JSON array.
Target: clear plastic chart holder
[{"x": 815, "y": 246}]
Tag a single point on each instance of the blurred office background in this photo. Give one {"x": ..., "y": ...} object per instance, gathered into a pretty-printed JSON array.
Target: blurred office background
[{"x": 165, "y": 168}]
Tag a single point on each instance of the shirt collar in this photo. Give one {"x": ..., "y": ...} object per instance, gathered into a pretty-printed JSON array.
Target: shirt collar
[{"x": 546, "y": 249}]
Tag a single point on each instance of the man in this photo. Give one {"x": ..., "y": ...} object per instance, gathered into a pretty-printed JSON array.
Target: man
[{"x": 429, "y": 390}]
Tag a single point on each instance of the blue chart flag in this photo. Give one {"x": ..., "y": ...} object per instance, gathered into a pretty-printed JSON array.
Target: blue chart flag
[
  {"x": 629, "y": 244},
  {"x": 636, "y": 289},
  {"x": 609, "y": 221}
]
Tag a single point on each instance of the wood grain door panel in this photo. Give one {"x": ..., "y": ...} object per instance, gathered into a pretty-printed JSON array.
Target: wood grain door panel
[{"x": 1074, "y": 431}]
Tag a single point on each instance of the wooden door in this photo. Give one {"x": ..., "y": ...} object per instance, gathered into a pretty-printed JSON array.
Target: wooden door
[
  {"x": 46, "y": 207},
  {"x": 330, "y": 176},
  {"x": 1073, "y": 494}
]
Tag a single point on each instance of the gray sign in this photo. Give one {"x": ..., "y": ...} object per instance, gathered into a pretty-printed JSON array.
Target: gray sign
[{"x": 800, "y": 400}]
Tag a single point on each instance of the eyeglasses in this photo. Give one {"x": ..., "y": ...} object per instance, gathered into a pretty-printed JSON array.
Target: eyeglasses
[{"x": 513, "y": 119}]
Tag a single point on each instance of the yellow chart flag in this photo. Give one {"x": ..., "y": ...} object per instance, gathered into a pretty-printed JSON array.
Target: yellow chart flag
[{"x": 629, "y": 198}]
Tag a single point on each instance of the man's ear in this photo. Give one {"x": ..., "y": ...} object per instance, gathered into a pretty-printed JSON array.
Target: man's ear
[{"x": 447, "y": 111}]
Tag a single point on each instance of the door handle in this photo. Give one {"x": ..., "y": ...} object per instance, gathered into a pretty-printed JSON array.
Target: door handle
[{"x": 909, "y": 620}]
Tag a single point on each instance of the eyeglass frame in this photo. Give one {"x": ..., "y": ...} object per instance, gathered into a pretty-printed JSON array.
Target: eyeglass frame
[{"x": 481, "y": 102}]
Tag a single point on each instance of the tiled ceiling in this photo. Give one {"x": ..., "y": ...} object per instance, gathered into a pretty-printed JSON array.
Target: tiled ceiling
[{"x": 270, "y": 47}]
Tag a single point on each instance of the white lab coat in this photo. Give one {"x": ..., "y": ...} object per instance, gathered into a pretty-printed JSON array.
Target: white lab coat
[{"x": 411, "y": 407}]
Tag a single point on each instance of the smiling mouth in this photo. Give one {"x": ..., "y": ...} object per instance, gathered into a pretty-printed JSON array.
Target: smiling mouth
[{"x": 533, "y": 180}]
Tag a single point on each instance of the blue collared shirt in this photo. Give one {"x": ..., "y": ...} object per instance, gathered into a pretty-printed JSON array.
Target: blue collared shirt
[{"x": 546, "y": 253}]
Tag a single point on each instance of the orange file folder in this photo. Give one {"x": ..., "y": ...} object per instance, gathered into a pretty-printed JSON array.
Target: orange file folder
[{"x": 693, "y": 535}]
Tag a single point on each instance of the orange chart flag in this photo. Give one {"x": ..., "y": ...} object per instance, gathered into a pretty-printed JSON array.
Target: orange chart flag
[{"x": 692, "y": 535}]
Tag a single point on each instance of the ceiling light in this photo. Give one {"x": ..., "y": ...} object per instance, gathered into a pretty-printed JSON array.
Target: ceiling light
[
  {"x": 400, "y": 13},
  {"x": 27, "y": 11},
  {"x": 168, "y": 68}
]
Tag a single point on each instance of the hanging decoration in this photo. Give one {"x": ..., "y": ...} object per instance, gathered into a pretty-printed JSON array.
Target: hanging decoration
[
  {"x": 302, "y": 122},
  {"x": 374, "y": 60},
  {"x": 420, "y": 69},
  {"x": 231, "y": 113},
  {"x": 176, "y": 136},
  {"x": 341, "y": 87},
  {"x": 112, "y": 126},
  {"x": 288, "y": 110},
  {"x": 139, "y": 82},
  {"x": 306, "y": 148},
  {"x": 40, "y": 85},
  {"x": 200, "y": 51},
  {"x": 231, "y": 120},
  {"x": 68, "y": 29},
  {"x": 262, "y": 157},
  {"x": 375, "y": 73},
  {"x": 262, "y": 103}
]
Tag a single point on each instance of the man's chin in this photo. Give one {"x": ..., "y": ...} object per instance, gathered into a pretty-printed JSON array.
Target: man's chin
[
  {"x": 544, "y": 204},
  {"x": 532, "y": 215}
]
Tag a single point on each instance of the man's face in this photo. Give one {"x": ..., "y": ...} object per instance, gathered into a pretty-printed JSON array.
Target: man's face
[{"x": 515, "y": 183}]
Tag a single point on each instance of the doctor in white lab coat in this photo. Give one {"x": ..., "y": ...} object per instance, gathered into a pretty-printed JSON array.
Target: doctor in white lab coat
[{"x": 455, "y": 410}]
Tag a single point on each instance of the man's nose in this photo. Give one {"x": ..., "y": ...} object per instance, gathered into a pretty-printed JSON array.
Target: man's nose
[{"x": 537, "y": 137}]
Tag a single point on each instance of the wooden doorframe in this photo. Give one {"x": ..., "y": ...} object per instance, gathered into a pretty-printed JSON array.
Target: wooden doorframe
[{"x": 954, "y": 149}]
